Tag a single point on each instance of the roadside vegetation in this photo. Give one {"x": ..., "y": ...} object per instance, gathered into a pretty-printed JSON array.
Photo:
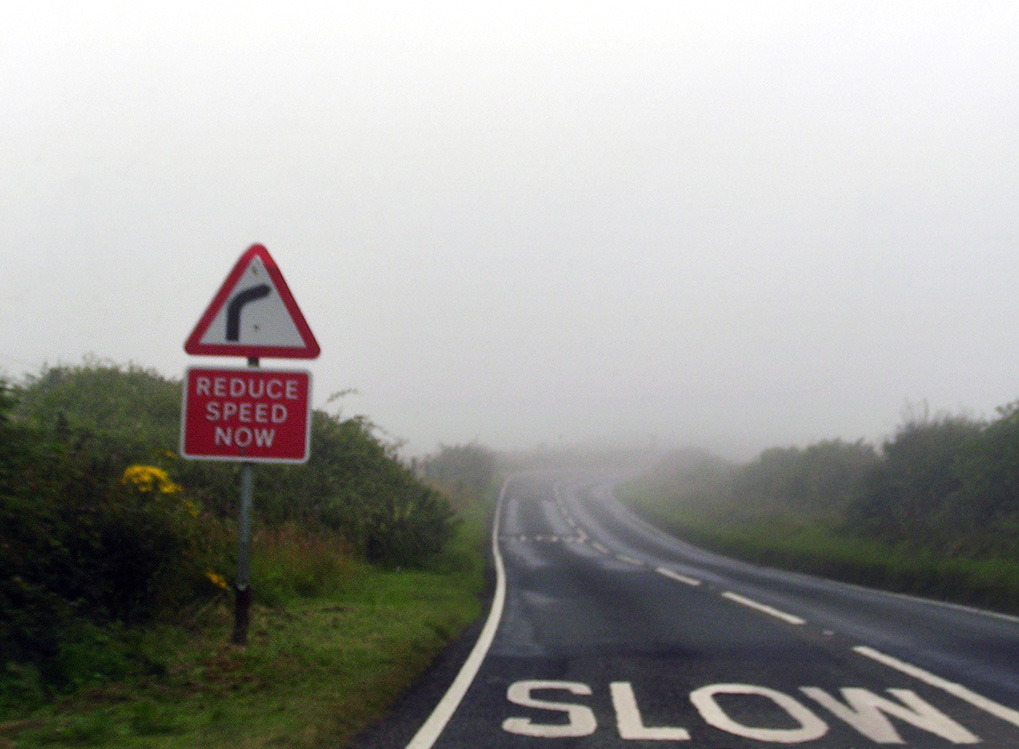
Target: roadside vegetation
[
  {"x": 934, "y": 511},
  {"x": 116, "y": 559}
]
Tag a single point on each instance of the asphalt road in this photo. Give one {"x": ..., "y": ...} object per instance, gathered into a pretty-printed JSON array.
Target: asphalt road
[{"x": 605, "y": 632}]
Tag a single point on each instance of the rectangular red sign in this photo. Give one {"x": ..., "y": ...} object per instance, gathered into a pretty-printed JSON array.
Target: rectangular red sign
[{"x": 257, "y": 415}]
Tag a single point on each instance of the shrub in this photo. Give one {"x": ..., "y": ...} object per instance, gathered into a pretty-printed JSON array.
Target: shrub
[{"x": 104, "y": 528}]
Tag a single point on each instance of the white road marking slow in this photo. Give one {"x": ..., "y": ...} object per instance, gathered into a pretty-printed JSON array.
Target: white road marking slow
[
  {"x": 868, "y": 713},
  {"x": 672, "y": 574},
  {"x": 763, "y": 608},
  {"x": 996, "y": 709},
  {"x": 430, "y": 730}
]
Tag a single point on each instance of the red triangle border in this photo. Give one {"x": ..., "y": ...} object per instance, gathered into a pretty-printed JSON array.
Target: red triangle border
[{"x": 310, "y": 350}]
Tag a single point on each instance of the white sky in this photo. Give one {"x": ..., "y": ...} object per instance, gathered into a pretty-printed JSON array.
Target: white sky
[{"x": 736, "y": 225}]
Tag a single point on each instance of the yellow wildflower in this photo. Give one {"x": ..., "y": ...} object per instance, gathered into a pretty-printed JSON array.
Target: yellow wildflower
[
  {"x": 149, "y": 479},
  {"x": 218, "y": 580}
]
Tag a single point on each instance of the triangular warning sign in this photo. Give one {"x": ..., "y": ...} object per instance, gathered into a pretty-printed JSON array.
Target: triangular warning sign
[{"x": 254, "y": 315}]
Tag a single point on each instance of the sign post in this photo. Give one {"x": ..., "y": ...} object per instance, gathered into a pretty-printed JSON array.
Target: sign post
[
  {"x": 242, "y": 605},
  {"x": 249, "y": 415}
]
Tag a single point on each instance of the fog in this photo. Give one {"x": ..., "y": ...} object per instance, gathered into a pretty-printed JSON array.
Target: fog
[{"x": 734, "y": 225}]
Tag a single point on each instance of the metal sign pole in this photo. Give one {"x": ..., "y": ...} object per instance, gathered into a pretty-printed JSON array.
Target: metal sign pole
[{"x": 242, "y": 605}]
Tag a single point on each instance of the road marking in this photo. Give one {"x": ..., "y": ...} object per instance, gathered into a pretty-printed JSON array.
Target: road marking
[
  {"x": 809, "y": 727},
  {"x": 866, "y": 712},
  {"x": 580, "y": 720},
  {"x": 629, "y": 560},
  {"x": 578, "y": 539},
  {"x": 629, "y": 722},
  {"x": 763, "y": 608},
  {"x": 996, "y": 709},
  {"x": 430, "y": 730},
  {"x": 677, "y": 576},
  {"x": 599, "y": 547}
]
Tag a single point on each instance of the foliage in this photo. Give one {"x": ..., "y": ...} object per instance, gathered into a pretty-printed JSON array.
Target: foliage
[
  {"x": 910, "y": 493},
  {"x": 935, "y": 511},
  {"x": 820, "y": 481},
  {"x": 316, "y": 673},
  {"x": 354, "y": 484},
  {"x": 291, "y": 561},
  {"x": 985, "y": 510},
  {"x": 136, "y": 410},
  {"x": 469, "y": 467},
  {"x": 104, "y": 527}
]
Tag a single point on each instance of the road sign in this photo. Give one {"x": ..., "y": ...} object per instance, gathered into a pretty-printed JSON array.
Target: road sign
[
  {"x": 254, "y": 315},
  {"x": 251, "y": 415}
]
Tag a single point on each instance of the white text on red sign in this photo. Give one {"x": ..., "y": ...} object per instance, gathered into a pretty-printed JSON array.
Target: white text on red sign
[{"x": 244, "y": 414}]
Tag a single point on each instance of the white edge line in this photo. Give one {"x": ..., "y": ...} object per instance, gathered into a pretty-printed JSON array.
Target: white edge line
[
  {"x": 430, "y": 730},
  {"x": 944, "y": 604},
  {"x": 677, "y": 576},
  {"x": 763, "y": 608},
  {"x": 996, "y": 709}
]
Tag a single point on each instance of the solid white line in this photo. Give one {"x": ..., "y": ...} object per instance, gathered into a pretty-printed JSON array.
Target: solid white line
[
  {"x": 763, "y": 608},
  {"x": 677, "y": 576},
  {"x": 934, "y": 602},
  {"x": 429, "y": 732},
  {"x": 996, "y": 709}
]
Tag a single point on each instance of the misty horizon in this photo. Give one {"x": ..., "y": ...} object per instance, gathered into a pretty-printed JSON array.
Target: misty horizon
[{"x": 716, "y": 224}]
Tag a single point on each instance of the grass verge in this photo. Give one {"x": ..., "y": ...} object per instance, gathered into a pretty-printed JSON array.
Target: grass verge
[
  {"x": 317, "y": 670},
  {"x": 988, "y": 582}
]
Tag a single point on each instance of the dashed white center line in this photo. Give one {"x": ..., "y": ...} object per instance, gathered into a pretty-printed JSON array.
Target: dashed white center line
[
  {"x": 599, "y": 547},
  {"x": 628, "y": 560},
  {"x": 956, "y": 690},
  {"x": 677, "y": 576},
  {"x": 763, "y": 608}
]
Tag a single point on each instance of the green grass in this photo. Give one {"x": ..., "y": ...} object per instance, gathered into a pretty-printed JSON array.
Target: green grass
[
  {"x": 828, "y": 551},
  {"x": 316, "y": 671}
]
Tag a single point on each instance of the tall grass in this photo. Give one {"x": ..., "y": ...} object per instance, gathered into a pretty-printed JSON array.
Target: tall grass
[
  {"x": 326, "y": 656},
  {"x": 835, "y": 553},
  {"x": 290, "y": 562}
]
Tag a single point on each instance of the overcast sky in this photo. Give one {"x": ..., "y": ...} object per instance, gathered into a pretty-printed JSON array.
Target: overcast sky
[{"x": 736, "y": 225}]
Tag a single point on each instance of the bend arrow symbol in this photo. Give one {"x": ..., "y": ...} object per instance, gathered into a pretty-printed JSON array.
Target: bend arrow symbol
[{"x": 233, "y": 309}]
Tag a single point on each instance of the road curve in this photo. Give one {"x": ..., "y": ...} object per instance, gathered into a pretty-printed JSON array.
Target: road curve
[{"x": 606, "y": 632}]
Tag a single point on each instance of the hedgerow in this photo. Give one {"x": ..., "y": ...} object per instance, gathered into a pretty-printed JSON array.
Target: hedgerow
[{"x": 103, "y": 528}]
